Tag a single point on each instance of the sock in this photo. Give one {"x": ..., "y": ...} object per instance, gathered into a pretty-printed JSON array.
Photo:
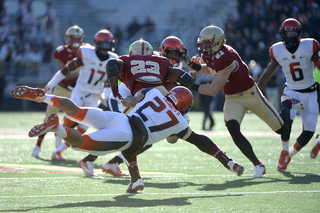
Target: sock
[
  {"x": 133, "y": 169},
  {"x": 116, "y": 159},
  {"x": 40, "y": 139},
  {"x": 61, "y": 131},
  {"x": 51, "y": 100},
  {"x": 62, "y": 147},
  {"x": 90, "y": 158},
  {"x": 293, "y": 151},
  {"x": 223, "y": 158},
  {"x": 285, "y": 145}
]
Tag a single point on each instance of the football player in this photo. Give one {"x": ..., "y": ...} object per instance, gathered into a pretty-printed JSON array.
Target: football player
[
  {"x": 297, "y": 57},
  {"x": 74, "y": 38},
  {"x": 242, "y": 94},
  {"x": 171, "y": 48},
  {"x": 155, "y": 117},
  {"x": 91, "y": 61}
]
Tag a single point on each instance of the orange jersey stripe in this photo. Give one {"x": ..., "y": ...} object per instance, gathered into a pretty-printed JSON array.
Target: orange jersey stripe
[{"x": 90, "y": 144}]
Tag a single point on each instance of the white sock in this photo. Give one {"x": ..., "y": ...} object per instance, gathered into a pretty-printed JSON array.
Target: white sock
[
  {"x": 292, "y": 151},
  {"x": 47, "y": 99},
  {"x": 62, "y": 147},
  {"x": 285, "y": 145},
  {"x": 61, "y": 131}
]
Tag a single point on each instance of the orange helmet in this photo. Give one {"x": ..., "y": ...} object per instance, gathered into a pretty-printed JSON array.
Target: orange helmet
[
  {"x": 182, "y": 98},
  {"x": 290, "y": 32},
  {"x": 74, "y": 36},
  {"x": 104, "y": 41},
  {"x": 171, "y": 43}
]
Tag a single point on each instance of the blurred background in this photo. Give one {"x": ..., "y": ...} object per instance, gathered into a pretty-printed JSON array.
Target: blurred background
[{"x": 30, "y": 30}]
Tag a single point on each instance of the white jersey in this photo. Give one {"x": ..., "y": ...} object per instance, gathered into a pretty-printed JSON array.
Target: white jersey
[
  {"x": 297, "y": 67},
  {"x": 92, "y": 75},
  {"x": 114, "y": 132},
  {"x": 160, "y": 117}
]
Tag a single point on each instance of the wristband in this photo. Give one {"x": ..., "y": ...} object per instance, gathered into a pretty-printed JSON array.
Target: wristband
[
  {"x": 195, "y": 66},
  {"x": 195, "y": 87}
]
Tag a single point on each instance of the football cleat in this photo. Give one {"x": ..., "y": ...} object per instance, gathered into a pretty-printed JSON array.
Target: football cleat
[
  {"x": 48, "y": 125},
  {"x": 235, "y": 167},
  {"x": 56, "y": 156},
  {"x": 87, "y": 168},
  {"x": 259, "y": 171},
  {"x": 113, "y": 169},
  {"x": 315, "y": 150},
  {"x": 35, "y": 151},
  {"x": 282, "y": 159},
  {"x": 286, "y": 164},
  {"x": 134, "y": 187},
  {"x": 28, "y": 93}
]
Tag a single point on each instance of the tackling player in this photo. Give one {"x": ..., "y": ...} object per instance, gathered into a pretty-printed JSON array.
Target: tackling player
[{"x": 154, "y": 118}]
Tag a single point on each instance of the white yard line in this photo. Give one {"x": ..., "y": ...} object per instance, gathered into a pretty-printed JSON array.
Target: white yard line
[
  {"x": 157, "y": 194},
  {"x": 6, "y": 134}
]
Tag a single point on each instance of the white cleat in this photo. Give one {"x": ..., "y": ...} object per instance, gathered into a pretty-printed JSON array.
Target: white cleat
[
  {"x": 259, "y": 171},
  {"x": 235, "y": 167},
  {"x": 134, "y": 187},
  {"x": 87, "y": 168}
]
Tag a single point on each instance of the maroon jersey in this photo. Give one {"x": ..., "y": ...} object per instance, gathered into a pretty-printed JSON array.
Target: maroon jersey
[
  {"x": 146, "y": 71},
  {"x": 240, "y": 79},
  {"x": 64, "y": 54}
]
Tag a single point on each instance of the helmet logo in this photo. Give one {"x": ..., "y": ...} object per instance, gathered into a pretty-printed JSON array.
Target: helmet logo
[{"x": 173, "y": 98}]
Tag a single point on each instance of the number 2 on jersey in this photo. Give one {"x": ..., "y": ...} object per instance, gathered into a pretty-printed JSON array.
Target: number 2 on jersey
[
  {"x": 139, "y": 66},
  {"x": 296, "y": 71},
  {"x": 159, "y": 108}
]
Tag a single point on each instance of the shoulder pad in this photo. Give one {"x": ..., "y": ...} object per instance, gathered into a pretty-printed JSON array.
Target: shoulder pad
[{"x": 86, "y": 51}]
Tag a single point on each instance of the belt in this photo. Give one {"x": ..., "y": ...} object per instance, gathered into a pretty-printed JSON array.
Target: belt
[
  {"x": 240, "y": 93},
  {"x": 313, "y": 88}
]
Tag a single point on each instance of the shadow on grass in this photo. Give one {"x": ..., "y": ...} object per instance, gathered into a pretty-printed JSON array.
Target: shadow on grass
[
  {"x": 66, "y": 163},
  {"x": 127, "y": 200},
  {"x": 295, "y": 178}
]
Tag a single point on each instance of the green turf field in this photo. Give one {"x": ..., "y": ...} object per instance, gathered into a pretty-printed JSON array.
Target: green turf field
[{"x": 178, "y": 177}]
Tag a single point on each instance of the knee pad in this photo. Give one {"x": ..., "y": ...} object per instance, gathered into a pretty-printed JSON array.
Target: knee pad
[{"x": 304, "y": 138}]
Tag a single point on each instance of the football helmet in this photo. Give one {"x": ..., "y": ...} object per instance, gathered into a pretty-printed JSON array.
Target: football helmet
[
  {"x": 210, "y": 40},
  {"x": 182, "y": 98},
  {"x": 140, "y": 47},
  {"x": 104, "y": 42},
  {"x": 290, "y": 32},
  {"x": 74, "y": 36},
  {"x": 171, "y": 43}
]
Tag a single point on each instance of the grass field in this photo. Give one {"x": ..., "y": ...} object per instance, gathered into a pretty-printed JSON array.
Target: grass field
[{"x": 178, "y": 178}]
